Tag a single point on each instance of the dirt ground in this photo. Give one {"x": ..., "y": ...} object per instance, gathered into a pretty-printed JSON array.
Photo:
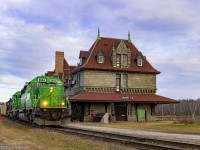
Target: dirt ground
[{"x": 18, "y": 136}]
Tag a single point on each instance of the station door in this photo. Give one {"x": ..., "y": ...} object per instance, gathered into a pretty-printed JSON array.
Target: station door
[
  {"x": 121, "y": 111},
  {"x": 141, "y": 115}
]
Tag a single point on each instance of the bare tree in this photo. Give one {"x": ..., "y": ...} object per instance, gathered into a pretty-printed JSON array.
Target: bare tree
[{"x": 185, "y": 107}]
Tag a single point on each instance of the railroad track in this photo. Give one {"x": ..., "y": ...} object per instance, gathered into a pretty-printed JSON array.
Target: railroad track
[
  {"x": 135, "y": 141},
  {"x": 139, "y": 142}
]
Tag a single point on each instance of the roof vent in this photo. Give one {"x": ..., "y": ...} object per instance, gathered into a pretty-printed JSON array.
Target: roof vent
[{"x": 105, "y": 44}]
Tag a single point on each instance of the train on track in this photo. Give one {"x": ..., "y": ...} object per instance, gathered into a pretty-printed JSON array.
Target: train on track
[{"x": 41, "y": 101}]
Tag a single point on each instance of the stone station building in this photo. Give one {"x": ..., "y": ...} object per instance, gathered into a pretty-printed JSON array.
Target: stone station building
[{"x": 112, "y": 77}]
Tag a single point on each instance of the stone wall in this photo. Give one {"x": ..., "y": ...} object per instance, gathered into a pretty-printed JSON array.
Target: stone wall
[
  {"x": 93, "y": 78},
  {"x": 131, "y": 111},
  {"x": 139, "y": 80},
  {"x": 99, "y": 78},
  {"x": 94, "y": 109}
]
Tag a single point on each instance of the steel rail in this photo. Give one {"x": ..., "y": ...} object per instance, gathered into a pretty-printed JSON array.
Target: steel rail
[
  {"x": 139, "y": 142},
  {"x": 130, "y": 140}
]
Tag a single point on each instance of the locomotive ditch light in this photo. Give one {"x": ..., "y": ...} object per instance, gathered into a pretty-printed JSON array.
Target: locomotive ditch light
[
  {"x": 63, "y": 103},
  {"x": 51, "y": 89}
]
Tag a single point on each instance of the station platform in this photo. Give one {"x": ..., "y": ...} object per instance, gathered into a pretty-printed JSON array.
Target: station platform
[{"x": 185, "y": 138}]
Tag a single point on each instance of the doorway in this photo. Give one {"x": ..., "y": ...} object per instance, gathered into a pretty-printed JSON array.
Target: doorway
[
  {"x": 121, "y": 111},
  {"x": 141, "y": 115}
]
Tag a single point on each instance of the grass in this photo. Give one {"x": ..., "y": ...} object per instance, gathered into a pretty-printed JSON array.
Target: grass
[
  {"x": 174, "y": 127},
  {"x": 15, "y": 134}
]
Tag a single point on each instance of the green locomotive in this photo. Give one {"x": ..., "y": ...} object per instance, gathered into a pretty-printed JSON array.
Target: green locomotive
[
  {"x": 16, "y": 104},
  {"x": 42, "y": 101}
]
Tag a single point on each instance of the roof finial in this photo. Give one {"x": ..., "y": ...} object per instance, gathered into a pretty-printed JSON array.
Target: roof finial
[
  {"x": 98, "y": 36},
  {"x": 129, "y": 37}
]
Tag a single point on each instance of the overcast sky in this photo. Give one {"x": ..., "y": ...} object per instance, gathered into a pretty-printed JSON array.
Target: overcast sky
[{"x": 166, "y": 32}]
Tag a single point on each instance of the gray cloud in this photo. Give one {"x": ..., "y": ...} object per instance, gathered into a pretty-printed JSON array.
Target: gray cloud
[{"x": 168, "y": 33}]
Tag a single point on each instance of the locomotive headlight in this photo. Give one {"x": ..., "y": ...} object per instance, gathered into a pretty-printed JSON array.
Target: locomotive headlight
[
  {"x": 51, "y": 89},
  {"x": 45, "y": 103},
  {"x": 63, "y": 103}
]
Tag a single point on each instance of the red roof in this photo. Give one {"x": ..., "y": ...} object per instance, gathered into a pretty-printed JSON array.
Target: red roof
[
  {"x": 83, "y": 54},
  {"x": 50, "y": 73},
  {"x": 72, "y": 68},
  {"x": 120, "y": 97},
  {"x": 106, "y": 44}
]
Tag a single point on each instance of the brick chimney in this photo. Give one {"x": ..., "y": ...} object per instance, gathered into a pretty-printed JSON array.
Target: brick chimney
[{"x": 59, "y": 62}]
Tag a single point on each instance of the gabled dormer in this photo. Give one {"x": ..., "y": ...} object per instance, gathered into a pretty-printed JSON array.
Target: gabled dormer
[
  {"x": 100, "y": 56},
  {"x": 121, "y": 55},
  {"x": 82, "y": 56},
  {"x": 139, "y": 59}
]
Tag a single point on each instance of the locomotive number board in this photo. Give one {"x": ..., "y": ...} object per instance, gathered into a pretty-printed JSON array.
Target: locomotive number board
[
  {"x": 41, "y": 80},
  {"x": 53, "y": 80}
]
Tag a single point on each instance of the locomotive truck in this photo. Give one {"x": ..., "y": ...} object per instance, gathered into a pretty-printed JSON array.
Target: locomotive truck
[{"x": 41, "y": 101}]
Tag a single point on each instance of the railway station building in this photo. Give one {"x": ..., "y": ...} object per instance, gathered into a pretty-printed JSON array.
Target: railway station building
[{"x": 112, "y": 77}]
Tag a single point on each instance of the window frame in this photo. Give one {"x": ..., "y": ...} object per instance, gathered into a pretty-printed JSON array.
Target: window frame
[
  {"x": 139, "y": 62},
  {"x": 118, "y": 82},
  {"x": 80, "y": 60},
  {"x": 125, "y": 61},
  {"x": 100, "y": 59},
  {"x": 125, "y": 80},
  {"x": 118, "y": 60}
]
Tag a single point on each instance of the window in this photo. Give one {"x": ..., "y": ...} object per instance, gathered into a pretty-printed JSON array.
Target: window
[
  {"x": 34, "y": 86},
  {"x": 118, "y": 60},
  {"x": 125, "y": 60},
  {"x": 28, "y": 88},
  {"x": 139, "y": 62},
  {"x": 100, "y": 59},
  {"x": 118, "y": 81},
  {"x": 129, "y": 109},
  {"x": 125, "y": 80},
  {"x": 81, "y": 60},
  {"x": 78, "y": 79},
  {"x": 42, "y": 84}
]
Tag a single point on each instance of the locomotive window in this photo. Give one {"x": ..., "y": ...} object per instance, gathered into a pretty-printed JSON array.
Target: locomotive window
[
  {"x": 34, "y": 86},
  {"x": 42, "y": 84},
  {"x": 60, "y": 86},
  {"x": 28, "y": 89},
  {"x": 51, "y": 85}
]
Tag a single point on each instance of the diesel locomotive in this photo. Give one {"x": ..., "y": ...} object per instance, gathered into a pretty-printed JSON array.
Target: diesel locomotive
[{"x": 41, "y": 101}]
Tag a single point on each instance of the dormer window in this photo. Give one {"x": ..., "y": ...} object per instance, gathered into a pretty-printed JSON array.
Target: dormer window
[
  {"x": 81, "y": 61},
  {"x": 139, "y": 59},
  {"x": 82, "y": 56},
  {"x": 125, "y": 60},
  {"x": 100, "y": 59},
  {"x": 139, "y": 62},
  {"x": 100, "y": 56},
  {"x": 121, "y": 55},
  {"x": 118, "y": 60}
]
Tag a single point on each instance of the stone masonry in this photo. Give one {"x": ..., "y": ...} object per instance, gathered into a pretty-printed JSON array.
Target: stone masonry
[{"x": 59, "y": 62}]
